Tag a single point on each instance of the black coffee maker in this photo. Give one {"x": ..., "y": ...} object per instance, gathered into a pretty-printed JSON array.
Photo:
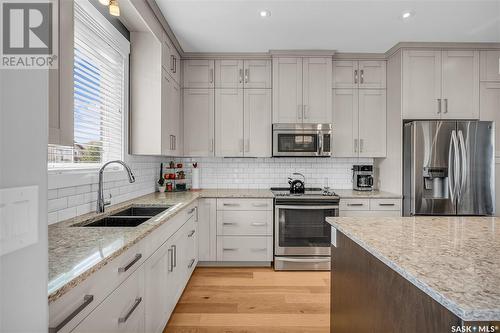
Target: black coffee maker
[{"x": 362, "y": 177}]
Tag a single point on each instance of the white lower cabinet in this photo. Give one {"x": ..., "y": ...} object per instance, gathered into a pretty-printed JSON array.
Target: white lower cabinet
[
  {"x": 207, "y": 229},
  {"x": 244, "y": 248},
  {"x": 370, "y": 207},
  {"x": 122, "y": 311}
]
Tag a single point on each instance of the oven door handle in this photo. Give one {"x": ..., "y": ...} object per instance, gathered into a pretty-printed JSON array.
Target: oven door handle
[
  {"x": 305, "y": 259},
  {"x": 307, "y": 207}
]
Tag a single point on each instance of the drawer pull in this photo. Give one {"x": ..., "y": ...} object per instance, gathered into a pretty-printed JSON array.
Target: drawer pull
[
  {"x": 259, "y": 250},
  {"x": 171, "y": 255},
  {"x": 138, "y": 301},
  {"x": 87, "y": 299},
  {"x": 229, "y": 223},
  {"x": 191, "y": 211},
  {"x": 229, "y": 249},
  {"x": 259, "y": 205},
  {"x": 191, "y": 263},
  {"x": 386, "y": 204},
  {"x": 259, "y": 224},
  {"x": 123, "y": 269},
  {"x": 191, "y": 233},
  {"x": 174, "y": 249},
  {"x": 231, "y": 205},
  {"x": 355, "y": 204}
]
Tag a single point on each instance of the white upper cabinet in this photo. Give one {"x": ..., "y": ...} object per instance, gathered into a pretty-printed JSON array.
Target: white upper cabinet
[
  {"x": 440, "y": 84},
  {"x": 257, "y": 74},
  {"x": 171, "y": 60},
  {"x": 372, "y": 122},
  {"x": 287, "y": 90},
  {"x": 257, "y": 123},
  {"x": 490, "y": 108},
  {"x": 317, "y": 90},
  {"x": 229, "y": 122},
  {"x": 229, "y": 74},
  {"x": 490, "y": 65},
  {"x": 302, "y": 90},
  {"x": 345, "y": 122},
  {"x": 421, "y": 84},
  {"x": 345, "y": 74},
  {"x": 370, "y": 74},
  {"x": 199, "y": 73},
  {"x": 171, "y": 117},
  {"x": 460, "y": 94},
  {"x": 199, "y": 122}
]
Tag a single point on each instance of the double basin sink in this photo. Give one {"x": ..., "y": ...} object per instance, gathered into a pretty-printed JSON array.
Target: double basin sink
[{"x": 129, "y": 217}]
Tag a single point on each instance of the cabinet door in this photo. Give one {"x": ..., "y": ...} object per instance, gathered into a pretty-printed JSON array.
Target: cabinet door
[
  {"x": 257, "y": 123},
  {"x": 198, "y": 73},
  {"x": 490, "y": 110},
  {"x": 257, "y": 73},
  {"x": 287, "y": 90},
  {"x": 199, "y": 122},
  {"x": 421, "y": 84},
  {"x": 345, "y": 122},
  {"x": 207, "y": 233},
  {"x": 372, "y": 123},
  {"x": 156, "y": 289},
  {"x": 372, "y": 74},
  {"x": 191, "y": 248},
  {"x": 167, "y": 141},
  {"x": 317, "y": 90},
  {"x": 490, "y": 65},
  {"x": 228, "y": 122},
  {"x": 175, "y": 123},
  {"x": 122, "y": 311},
  {"x": 170, "y": 59},
  {"x": 229, "y": 74},
  {"x": 460, "y": 87},
  {"x": 345, "y": 74}
]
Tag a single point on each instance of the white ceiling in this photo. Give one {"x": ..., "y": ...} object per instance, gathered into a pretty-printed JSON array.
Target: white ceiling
[{"x": 345, "y": 26}]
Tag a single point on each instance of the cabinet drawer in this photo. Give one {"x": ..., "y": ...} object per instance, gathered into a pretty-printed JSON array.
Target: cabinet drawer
[
  {"x": 354, "y": 204},
  {"x": 122, "y": 311},
  {"x": 385, "y": 204},
  {"x": 245, "y": 223},
  {"x": 98, "y": 286},
  {"x": 244, "y": 204},
  {"x": 244, "y": 248}
]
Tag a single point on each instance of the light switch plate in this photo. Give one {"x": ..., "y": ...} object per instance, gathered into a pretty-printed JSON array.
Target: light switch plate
[{"x": 18, "y": 218}]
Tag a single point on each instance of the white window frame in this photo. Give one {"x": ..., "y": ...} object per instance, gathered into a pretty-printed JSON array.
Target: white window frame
[{"x": 81, "y": 171}]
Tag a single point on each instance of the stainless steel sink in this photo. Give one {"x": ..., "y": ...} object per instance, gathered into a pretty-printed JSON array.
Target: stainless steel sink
[{"x": 129, "y": 217}]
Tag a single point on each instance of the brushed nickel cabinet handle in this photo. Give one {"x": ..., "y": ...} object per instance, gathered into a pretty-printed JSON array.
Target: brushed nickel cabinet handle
[
  {"x": 191, "y": 233},
  {"x": 355, "y": 145},
  {"x": 229, "y": 249},
  {"x": 258, "y": 224},
  {"x": 229, "y": 223},
  {"x": 361, "y": 144},
  {"x": 386, "y": 204},
  {"x": 446, "y": 105},
  {"x": 259, "y": 205},
  {"x": 247, "y": 75},
  {"x": 355, "y": 204},
  {"x": 356, "y": 76},
  {"x": 172, "y": 60},
  {"x": 125, "y": 268},
  {"x": 191, "y": 211},
  {"x": 211, "y": 75},
  {"x": 87, "y": 299},
  {"x": 123, "y": 319},
  {"x": 231, "y": 204},
  {"x": 439, "y": 105},
  {"x": 241, "y": 76},
  {"x": 174, "y": 250},
  {"x": 362, "y": 74},
  {"x": 191, "y": 263},
  {"x": 171, "y": 255}
]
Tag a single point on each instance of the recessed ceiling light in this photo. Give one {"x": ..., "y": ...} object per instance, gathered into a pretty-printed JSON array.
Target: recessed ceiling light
[
  {"x": 407, "y": 14},
  {"x": 265, "y": 13}
]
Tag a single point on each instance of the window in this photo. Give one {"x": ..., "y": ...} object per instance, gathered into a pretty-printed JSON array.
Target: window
[{"x": 99, "y": 76}]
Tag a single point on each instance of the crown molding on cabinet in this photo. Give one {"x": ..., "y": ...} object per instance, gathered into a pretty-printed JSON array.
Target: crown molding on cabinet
[
  {"x": 441, "y": 45},
  {"x": 226, "y": 55},
  {"x": 302, "y": 53},
  {"x": 157, "y": 11},
  {"x": 359, "y": 56}
]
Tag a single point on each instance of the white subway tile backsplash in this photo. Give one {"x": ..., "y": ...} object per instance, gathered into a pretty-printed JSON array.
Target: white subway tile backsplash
[{"x": 57, "y": 204}]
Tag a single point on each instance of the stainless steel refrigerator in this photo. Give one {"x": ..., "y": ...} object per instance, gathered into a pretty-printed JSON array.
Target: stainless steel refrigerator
[{"x": 449, "y": 168}]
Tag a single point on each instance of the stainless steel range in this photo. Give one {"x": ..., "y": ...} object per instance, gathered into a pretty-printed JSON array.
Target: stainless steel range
[{"x": 301, "y": 235}]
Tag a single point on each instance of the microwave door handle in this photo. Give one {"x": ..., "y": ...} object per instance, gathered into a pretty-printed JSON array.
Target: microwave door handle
[{"x": 320, "y": 143}]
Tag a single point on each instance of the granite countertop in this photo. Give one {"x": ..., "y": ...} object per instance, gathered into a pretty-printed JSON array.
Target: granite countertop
[
  {"x": 352, "y": 194},
  {"x": 75, "y": 253},
  {"x": 455, "y": 260}
]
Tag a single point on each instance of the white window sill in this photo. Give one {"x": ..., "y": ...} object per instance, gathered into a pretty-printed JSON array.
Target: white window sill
[{"x": 69, "y": 177}]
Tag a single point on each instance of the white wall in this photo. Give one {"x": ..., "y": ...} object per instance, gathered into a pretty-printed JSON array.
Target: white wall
[
  {"x": 23, "y": 162},
  {"x": 267, "y": 172}
]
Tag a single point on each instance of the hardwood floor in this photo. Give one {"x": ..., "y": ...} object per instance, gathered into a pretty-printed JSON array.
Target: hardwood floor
[{"x": 253, "y": 300}]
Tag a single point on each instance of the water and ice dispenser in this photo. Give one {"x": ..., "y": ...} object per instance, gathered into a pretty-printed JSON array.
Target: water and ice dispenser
[{"x": 436, "y": 183}]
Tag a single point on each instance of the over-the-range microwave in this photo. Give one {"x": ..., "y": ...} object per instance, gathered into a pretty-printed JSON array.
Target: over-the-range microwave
[{"x": 302, "y": 140}]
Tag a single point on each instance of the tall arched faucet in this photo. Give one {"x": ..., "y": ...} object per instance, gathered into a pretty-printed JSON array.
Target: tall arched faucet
[{"x": 101, "y": 203}]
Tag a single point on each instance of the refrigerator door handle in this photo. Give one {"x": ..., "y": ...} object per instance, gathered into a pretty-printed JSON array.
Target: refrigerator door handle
[
  {"x": 463, "y": 163},
  {"x": 453, "y": 174}
]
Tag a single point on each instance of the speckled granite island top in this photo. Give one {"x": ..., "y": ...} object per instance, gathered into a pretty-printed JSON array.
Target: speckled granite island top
[
  {"x": 76, "y": 253},
  {"x": 455, "y": 260}
]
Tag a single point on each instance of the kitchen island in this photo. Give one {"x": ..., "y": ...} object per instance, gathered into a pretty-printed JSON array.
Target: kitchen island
[{"x": 415, "y": 274}]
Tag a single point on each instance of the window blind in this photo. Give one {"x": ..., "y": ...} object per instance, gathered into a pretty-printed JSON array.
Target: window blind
[{"x": 99, "y": 91}]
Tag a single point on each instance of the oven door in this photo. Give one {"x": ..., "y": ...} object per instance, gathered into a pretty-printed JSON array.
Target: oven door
[
  {"x": 302, "y": 229},
  {"x": 296, "y": 143}
]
